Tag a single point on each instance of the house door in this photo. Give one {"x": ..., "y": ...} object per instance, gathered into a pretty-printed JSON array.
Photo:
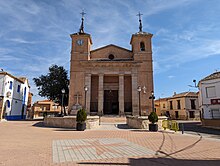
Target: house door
[
  {"x": 4, "y": 111},
  {"x": 111, "y": 105},
  {"x": 191, "y": 114},
  {"x": 176, "y": 114}
]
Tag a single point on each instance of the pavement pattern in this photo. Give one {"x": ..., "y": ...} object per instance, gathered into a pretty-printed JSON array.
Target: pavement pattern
[
  {"x": 95, "y": 149},
  {"x": 30, "y": 143}
]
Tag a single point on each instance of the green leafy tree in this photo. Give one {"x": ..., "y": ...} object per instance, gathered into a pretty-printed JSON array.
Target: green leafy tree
[{"x": 51, "y": 85}]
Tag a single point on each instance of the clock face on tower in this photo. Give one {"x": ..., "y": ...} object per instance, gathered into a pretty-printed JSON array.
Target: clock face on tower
[{"x": 79, "y": 42}]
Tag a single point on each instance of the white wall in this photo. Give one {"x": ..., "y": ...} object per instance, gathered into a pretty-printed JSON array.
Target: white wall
[
  {"x": 16, "y": 98},
  {"x": 2, "y": 77},
  {"x": 205, "y": 102}
]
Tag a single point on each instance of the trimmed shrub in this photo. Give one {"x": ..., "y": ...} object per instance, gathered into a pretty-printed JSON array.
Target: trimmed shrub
[
  {"x": 153, "y": 118},
  {"x": 81, "y": 116}
]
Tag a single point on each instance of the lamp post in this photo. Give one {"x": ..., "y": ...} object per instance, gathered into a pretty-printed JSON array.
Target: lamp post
[
  {"x": 85, "y": 89},
  {"x": 63, "y": 92},
  {"x": 152, "y": 97},
  {"x": 139, "y": 93}
]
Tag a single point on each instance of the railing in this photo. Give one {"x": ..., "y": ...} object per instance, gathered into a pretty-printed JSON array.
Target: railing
[{"x": 170, "y": 124}]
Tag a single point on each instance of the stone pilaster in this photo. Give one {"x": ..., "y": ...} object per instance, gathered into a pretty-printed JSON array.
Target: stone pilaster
[
  {"x": 101, "y": 94},
  {"x": 121, "y": 94},
  {"x": 88, "y": 94},
  {"x": 134, "y": 94}
]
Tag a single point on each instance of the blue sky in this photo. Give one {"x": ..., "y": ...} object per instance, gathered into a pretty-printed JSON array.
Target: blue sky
[{"x": 34, "y": 34}]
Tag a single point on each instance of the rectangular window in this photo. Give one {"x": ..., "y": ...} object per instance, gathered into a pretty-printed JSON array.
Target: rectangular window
[
  {"x": 191, "y": 114},
  {"x": 215, "y": 113},
  {"x": 167, "y": 113},
  {"x": 163, "y": 105},
  {"x": 178, "y": 104},
  {"x": 171, "y": 105},
  {"x": 10, "y": 85},
  {"x": 193, "y": 105},
  {"x": 19, "y": 88},
  {"x": 176, "y": 114},
  {"x": 210, "y": 92}
]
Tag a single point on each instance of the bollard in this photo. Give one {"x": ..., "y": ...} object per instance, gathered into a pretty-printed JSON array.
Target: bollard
[{"x": 182, "y": 126}]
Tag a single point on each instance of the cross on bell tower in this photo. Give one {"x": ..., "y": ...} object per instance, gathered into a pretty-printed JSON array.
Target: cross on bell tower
[
  {"x": 140, "y": 26},
  {"x": 81, "y": 30}
]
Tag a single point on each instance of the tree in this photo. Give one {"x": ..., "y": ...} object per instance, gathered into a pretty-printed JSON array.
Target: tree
[{"x": 51, "y": 85}]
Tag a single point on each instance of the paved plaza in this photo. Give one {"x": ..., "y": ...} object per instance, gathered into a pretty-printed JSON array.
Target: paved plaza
[{"x": 29, "y": 143}]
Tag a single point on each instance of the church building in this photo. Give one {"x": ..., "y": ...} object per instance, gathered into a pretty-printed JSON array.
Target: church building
[{"x": 111, "y": 80}]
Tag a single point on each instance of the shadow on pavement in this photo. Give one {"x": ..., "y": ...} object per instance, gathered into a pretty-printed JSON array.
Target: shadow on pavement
[
  {"x": 41, "y": 124},
  {"x": 159, "y": 161},
  {"x": 174, "y": 162},
  {"x": 172, "y": 143},
  {"x": 123, "y": 126},
  {"x": 198, "y": 128}
]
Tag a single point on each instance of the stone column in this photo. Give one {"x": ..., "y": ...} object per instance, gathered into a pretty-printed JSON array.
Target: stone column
[
  {"x": 121, "y": 94},
  {"x": 88, "y": 94},
  {"x": 134, "y": 94},
  {"x": 101, "y": 94}
]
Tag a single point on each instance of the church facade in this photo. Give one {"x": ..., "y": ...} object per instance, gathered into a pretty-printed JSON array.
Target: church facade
[{"x": 111, "y": 79}]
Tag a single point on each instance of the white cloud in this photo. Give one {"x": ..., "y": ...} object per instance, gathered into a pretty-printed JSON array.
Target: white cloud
[{"x": 171, "y": 76}]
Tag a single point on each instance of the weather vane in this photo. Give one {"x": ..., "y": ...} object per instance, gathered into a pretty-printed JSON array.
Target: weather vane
[
  {"x": 81, "y": 30},
  {"x": 140, "y": 26}
]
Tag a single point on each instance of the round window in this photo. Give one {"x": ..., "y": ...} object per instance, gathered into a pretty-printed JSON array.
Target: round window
[{"x": 111, "y": 56}]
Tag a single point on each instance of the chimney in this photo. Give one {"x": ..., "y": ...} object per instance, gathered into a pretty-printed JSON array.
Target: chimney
[{"x": 174, "y": 93}]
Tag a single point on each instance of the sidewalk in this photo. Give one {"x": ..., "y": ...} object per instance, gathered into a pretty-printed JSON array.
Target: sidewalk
[{"x": 22, "y": 143}]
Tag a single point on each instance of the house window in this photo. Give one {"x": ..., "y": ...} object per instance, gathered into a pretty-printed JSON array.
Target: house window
[
  {"x": 111, "y": 56},
  {"x": 167, "y": 113},
  {"x": 19, "y": 88},
  {"x": 10, "y": 85},
  {"x": 8, "y": 103},
  {"x": 193, "y": 105},
  {"x": 215, "y": 113},
  {"x": 176, "y": 114},
  {"x": 142, "y": 46},
  {"x": 171, "y": 105},
  {"x": 163, "y": 105},
  {"x": 210, "y": 92},
  {"x": 191, "y": 114},
  {"x": 178, "y": 104}
]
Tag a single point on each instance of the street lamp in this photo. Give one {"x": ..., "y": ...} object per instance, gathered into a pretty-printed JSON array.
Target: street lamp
[
  {"x": 63, "y": 92},
  {"x": 85, "y": 89},
  {"x": 152, "y": 97},
  {"x": 139, "y": 93}
]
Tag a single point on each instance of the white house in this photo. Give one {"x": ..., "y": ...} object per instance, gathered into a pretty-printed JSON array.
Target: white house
[
  {"x": 13, "y": 96},
  {"x": 209, "y": 99}
]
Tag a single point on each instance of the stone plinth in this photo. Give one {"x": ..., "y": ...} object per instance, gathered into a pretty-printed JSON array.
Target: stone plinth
[
  {"x": 92, "y": 122},
  {"x": 142, "y": 122}
]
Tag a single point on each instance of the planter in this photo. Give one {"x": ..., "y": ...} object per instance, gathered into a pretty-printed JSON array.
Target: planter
[
  {"x": 153, "y": 127},
  {"x": 81, "y": 126}
]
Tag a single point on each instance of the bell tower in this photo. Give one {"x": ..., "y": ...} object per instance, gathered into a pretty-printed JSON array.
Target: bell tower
[
  {"x": 80, "y": 52},
  {"x": 81, "y": 43},
  {"x": 142, "y": 54}
]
